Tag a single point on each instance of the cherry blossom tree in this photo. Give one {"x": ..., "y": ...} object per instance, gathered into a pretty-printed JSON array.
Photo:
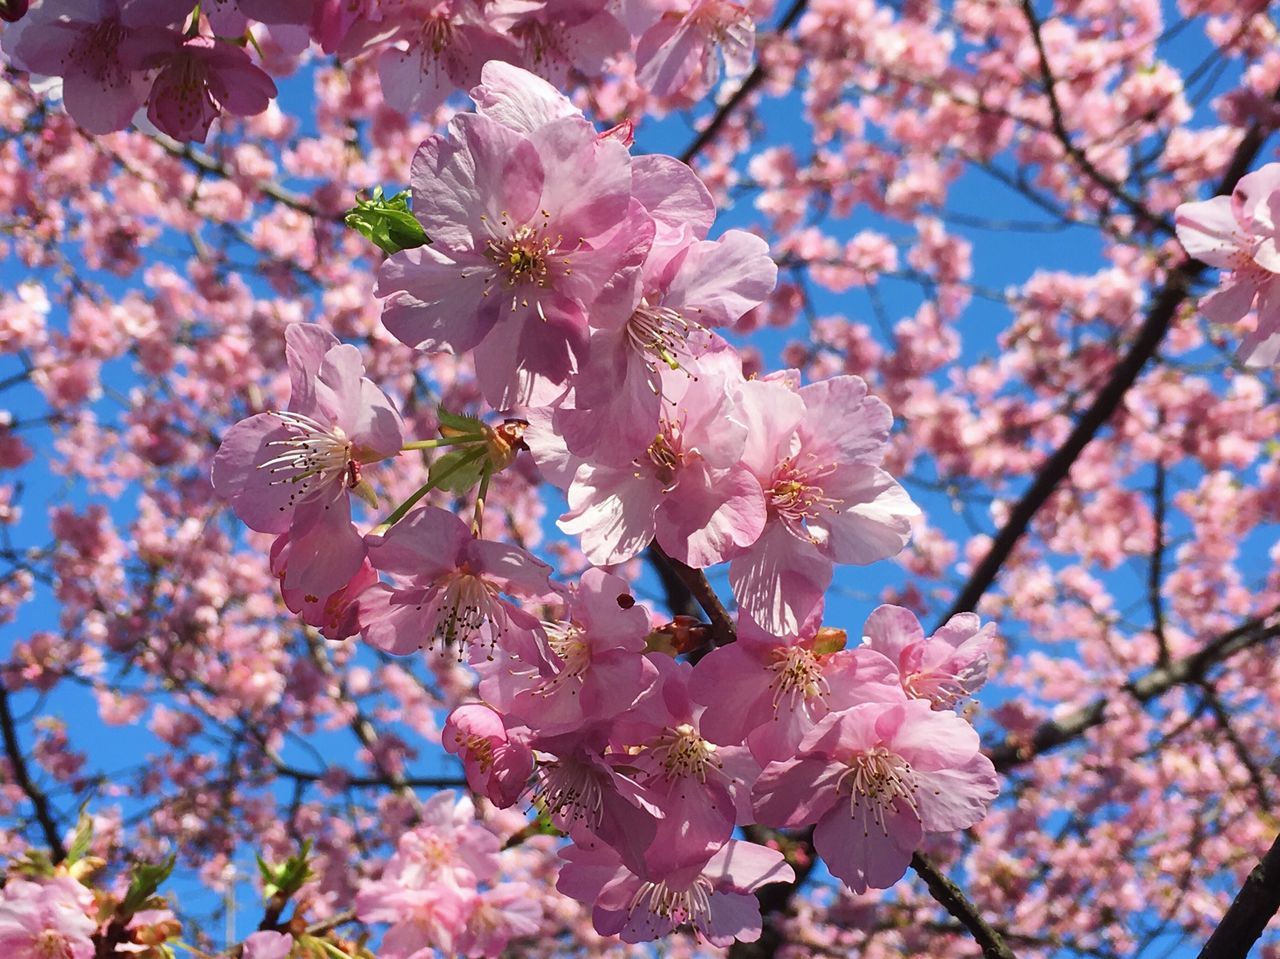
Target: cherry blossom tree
[{"x": 506, "y": 477}]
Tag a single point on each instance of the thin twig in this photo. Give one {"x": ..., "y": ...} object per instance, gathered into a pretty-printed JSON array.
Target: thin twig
[
  {"x": 1017, "y": 750},
  {"x": 953, "y": 899},
  {"x": 1160, "y": 315},
  {"x": 745, "y": 89},
  {"x": 695, "y": 580},
  {"x": 22, "y": 777}
]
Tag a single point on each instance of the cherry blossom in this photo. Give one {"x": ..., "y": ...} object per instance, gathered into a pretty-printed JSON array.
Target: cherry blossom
[
  {"x": 291, "y": 470},
  {"x": 874, "y": 779},
  {"x": 1239, "y": 234}
]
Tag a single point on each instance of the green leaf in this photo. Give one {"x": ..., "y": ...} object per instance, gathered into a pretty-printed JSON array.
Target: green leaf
[
  {"x": 83, "y": 836},
  {"x": 459, "y": 470},
  {"x": 288, "y": 877},
  {"x": 453, "y": 424},
  {"x": 388, "y": 222},
  {"x": 144, "y": 881}
]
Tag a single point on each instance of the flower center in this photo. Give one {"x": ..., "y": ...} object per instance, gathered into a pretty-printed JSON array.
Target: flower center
[
  {"x": 97, "y": 52},
  {"x": 479, "y": 748},
  {"x": 944, "y": 690},
  {"x": 466, "y": 608},
  {"x": 884, "y": 781},
  {"x": 312, "y": 455},
  {"x": 567, "y": 642},
  {"x": 52, "y": 945},
  {"x": 799, "y": 676},
  {"x": 683, "y": 752},
  {"x": 539, "y": 40},
  {"x": 569, "y": 789},
  {"x": 795, "y": 494},
  {"x": 437, "y": 33},
  {"x": 659, "y": 332},
  {"x": 680, "y": 906},
  {"x": 667, "y": 452}
]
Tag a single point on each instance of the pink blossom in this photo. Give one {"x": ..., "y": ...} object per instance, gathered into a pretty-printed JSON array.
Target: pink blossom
[
  {"x": 685, "y": 285},
  {"x": 714, "y": 897},
  {"x": 770, "y": 692},
  {"x": 497, "y": 761},
  {"x": 874, "y": 779},
  {"x": 686, "y": 489},
  {"x": 429, "y": 49},
  {"x": 595, "y": 797},
  {"x": 592, "y": 668},
  {"x": 1240, "y": 233},
  {"x": 527, "y": 230},
  {"x": 39, "y": 920},
  {"x": 698, "y": 783},
  {"x": 942, "y": 669},
  {"x": 267, "y": 944},
  {"x": 681, "y": 52},
  {"x": 560, "y": 36},
  {"x": 423, "y": 919},
  {"x": 817, "y": 454},
  {"x": 334, "y": 615},
  {"x": 89, "y": 43},
  {"x": 199, "y": 81},
  {"x": 507, "y": 911},
  {"x": 447, "y": 588},
  {"x": 290, "y": 471}
]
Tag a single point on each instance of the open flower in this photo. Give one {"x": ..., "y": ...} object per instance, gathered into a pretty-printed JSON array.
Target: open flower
[
  {"x": 527, "y": 231},
  {"x": 875, "y": 779},
  {"x": 687, "y": 489},
  {"x": 497, "y": 763},
  {"x": 290, "y": 471},
  {"x": 448, "y": 588},
  {"x": 1241, "y": 233},
  {"x": 816, "y": 452},
  {"x": 770, "y": 692},
  {"x": 943, "y": 668},
  {"x": 714, "y": 897}
]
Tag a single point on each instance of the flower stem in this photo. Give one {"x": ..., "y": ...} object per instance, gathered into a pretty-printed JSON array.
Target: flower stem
[
  {"x": 442, "y": 441},
  {"x": 424, "y": 489},
  {"x": 477, "y": 524}
]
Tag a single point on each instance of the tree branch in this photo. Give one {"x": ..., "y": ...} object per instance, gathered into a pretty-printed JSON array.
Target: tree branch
[
  {"x": 1160, "y": 315},
  {"x": 958, "y": 905},
  {"x": 745, "y": 89},
  {"x": 695, "y": 581},
  {"x": 1016, "y": 750},
  {"x": 1249, "y": 912},
  {"x": 22, "y": 777}
]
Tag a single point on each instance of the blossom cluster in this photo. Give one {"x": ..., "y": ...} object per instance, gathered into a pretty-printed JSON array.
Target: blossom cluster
[
  {"x": 188, "y": 62},
  {"x": 430, "y": 891},
  {"x": 582, "y": 280}
]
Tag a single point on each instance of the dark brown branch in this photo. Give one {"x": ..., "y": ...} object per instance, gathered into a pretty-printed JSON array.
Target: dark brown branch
[
  {"x": 745, "y": 89},
  {"x": 22, "y": 777},
  {"x": 695, "y": 581},
  {"x": 1049, "y": 735},
  {"x": 958, "y": 905},
  {"x": 1249, "y": 912},
  {"x": 1164, "y": 307}
]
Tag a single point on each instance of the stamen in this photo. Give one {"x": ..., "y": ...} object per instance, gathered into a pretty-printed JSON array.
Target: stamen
[
  {"x": 884, "y": 781},
  {"x": 569, "y": 789},
  {"x": 799, "y": 676},
  {"x": 684, "y": 753},
  {"x": 691, "y": 906}
]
